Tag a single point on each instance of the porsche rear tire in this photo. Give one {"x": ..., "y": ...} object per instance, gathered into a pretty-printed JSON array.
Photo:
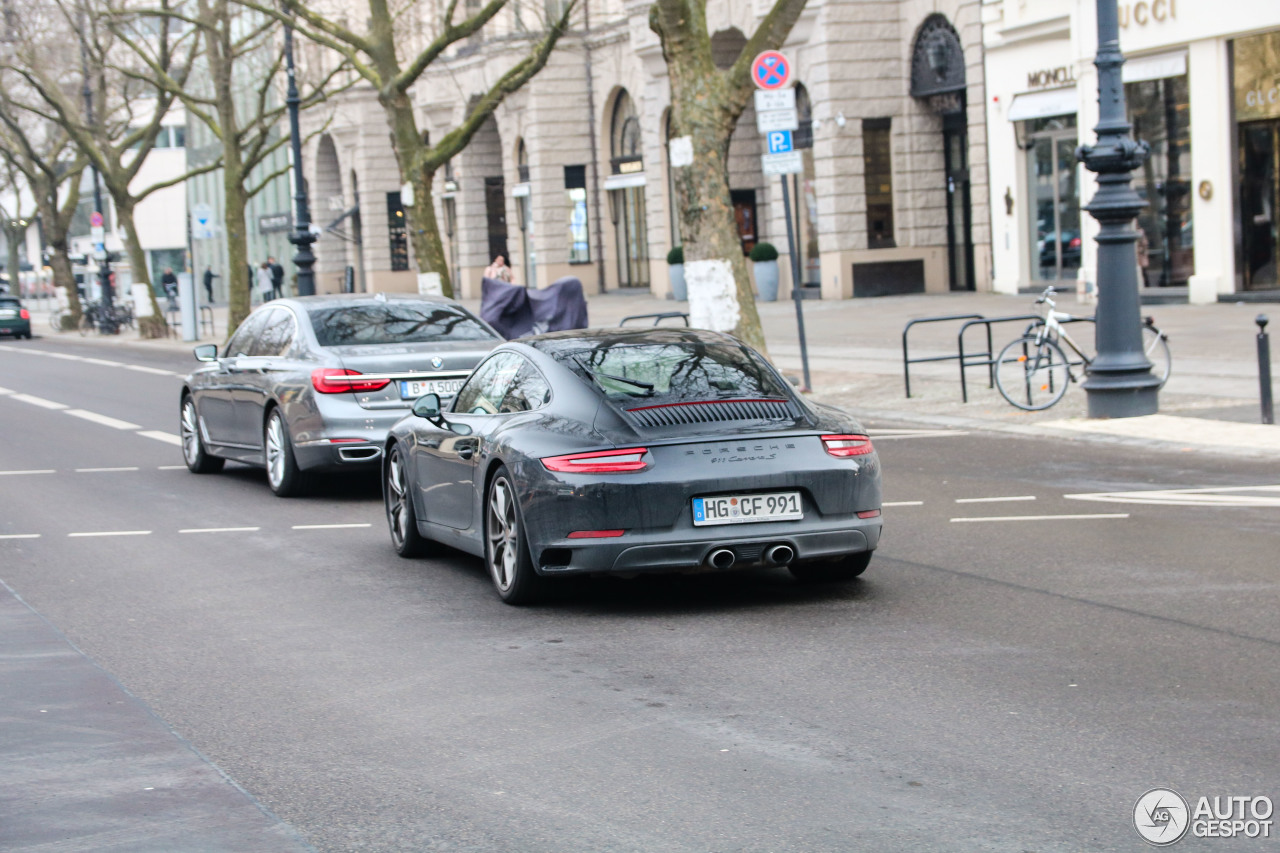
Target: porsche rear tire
[{"x": 506, "y": 550}]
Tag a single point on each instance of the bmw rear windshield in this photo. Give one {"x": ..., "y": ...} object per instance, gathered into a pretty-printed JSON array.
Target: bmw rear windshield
[
  {"x": 396, "y": 323},
  {"x": 671, "y": 372}
]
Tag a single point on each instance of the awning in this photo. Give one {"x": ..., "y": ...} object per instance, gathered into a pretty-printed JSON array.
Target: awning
[
  {"x": 1159, "y": 67},
  {"x": 622, "y": 182},
  {"x": 1055, "y": 102}
]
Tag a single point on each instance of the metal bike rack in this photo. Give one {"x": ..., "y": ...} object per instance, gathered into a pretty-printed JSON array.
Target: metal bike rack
[
  {"x": 657, "y": 318},
  {"x": 907, "y": 361},
  {"x": 206, "y": 321}
]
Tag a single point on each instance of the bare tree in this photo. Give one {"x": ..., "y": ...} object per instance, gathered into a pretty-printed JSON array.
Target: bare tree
[
  {"x": 381, "y": 57},
  {"x": 51, "y": 167},
  {"x": 237, "y": 100},
  {"x": 129, "y": 107},
  {"x": 706, "y": 103}
]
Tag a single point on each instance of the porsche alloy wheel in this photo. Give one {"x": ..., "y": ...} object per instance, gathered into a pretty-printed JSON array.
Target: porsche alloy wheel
[{"x": 506, "y": 549}]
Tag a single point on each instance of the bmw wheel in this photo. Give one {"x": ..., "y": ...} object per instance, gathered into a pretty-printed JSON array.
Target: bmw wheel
[
  {"x": 401, "y": 518},
  {"x": 193, "y": 452},
  {"x": 284, "y": 476},
  {"x": 506, "y": 551}
]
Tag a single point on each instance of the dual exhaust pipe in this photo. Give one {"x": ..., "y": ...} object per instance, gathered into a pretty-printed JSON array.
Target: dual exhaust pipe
[{"x": 778, "y": 555}]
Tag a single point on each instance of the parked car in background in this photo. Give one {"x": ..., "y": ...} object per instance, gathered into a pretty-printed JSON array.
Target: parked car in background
[
  {"x": 626, "y": 450},
  {"x": 313, "y": 383},
  {"x": 14, "y": 319}
]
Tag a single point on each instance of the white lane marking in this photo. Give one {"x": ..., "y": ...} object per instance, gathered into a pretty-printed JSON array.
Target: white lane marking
[
  {"x": 142, "y": 368},
  {"x": 158, "y": 435},
  {"x": 104, "y": 470},
  {"x": 19, "y": 535},
  {"x": 328, "y": 526},
  {"x": 219, "y": 529},
  {"x": 108, "y": 533},
  {"x": 4, "y": 391},
  {"x": 902, "y": 503},
  {"x": 171, "y": 467},
  {"x": 1212, "y": 496},
  {"x": 104, "y": 362},
  {"x": 64, "y": 356},
  {"x": 919, "y": 433},
  {"x": 38, "y": 401},
  {"x": 995, "y": 500},
  {"x": 105, "y": 420},
  {"x": 31, "y": 471},
  {"x": 1082, "y": 517}
]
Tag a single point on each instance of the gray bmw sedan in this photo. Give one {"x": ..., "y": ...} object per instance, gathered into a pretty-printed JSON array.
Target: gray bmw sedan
[{"x": 313, "y": 383}]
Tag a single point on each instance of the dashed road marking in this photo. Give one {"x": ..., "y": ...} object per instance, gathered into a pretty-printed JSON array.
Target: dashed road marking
[
  {"x": 167, "y": 437},
  {"x": 902, "y": 503},
  {"x": 105, "y": 470},
  {"x": 19, "y": 535},
  {"x": 39, "y": 401},
  {"x": 171, "y": 467},
  {"x": 104, "y": 420},
  {"x": 995, "y": 500},
  {"x": 1081, "y": 517},
  {"x": 329, "y": 526},
  {"x": 87, "y": 533},
  {"x": 142, "y": 368},
  {"x": 4, "y": 391},
  {"x": 1213, "y": 496},
  {"x": 878, "y": 435},
  {"x": 102, "y": 361},
  {"x": 220, "y": 530},
  {"x": 31, "y": 471}
]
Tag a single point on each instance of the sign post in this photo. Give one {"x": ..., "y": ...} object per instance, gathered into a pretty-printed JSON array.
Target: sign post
[{"x": 776, "y": 118}]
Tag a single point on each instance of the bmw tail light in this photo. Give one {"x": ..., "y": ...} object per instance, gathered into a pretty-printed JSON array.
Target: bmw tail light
[
  {"x": 598, "y": 461},
  {"x": 847, "y": 445},
  {"x": 332, "y": 380},
  {"x": 24, "y": 314}
]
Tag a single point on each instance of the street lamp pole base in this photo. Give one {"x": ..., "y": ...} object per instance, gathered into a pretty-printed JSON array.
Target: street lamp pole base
[{"x": 1121, "y": 397}]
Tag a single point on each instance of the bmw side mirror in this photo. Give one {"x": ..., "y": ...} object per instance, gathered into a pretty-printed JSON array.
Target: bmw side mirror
[{"x": 206, "y": 352}]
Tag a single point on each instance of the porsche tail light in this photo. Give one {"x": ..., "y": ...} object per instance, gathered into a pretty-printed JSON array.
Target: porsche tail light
[
  {"x": 599, "y": 461},
  {"x": 847, "y": 445},
  {"x": 24, "y": 314},
  {"x": 333, "y": 380}
]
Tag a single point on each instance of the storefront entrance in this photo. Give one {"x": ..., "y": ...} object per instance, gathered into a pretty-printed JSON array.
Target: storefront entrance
[
  {"x": 955, "y": 150},
  {"x": 1160, "y": 112},
  {"x": 1259, "y": 201},
  {"x": 1054, "y": 192},
  {"x": 627, "y": 206}
]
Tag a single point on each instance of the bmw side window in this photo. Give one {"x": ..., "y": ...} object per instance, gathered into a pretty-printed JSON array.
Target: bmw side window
[
  {"x": 529, "y": 391},
  {"x": 484, "y": 391},
  {"x": 277, "y": 333},
  {"x": 242, "y": 342}
]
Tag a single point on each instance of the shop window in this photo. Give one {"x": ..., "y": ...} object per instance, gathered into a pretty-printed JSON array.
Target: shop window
[
  {"x": 877, "y": 165},
  {"x": 1160, "y": 112},
  {"x": 575, "y": 188}
]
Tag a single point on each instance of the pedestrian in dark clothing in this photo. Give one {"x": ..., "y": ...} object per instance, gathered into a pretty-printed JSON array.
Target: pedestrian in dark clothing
[
  {"x": 209, "y": 276},
  {"x": 277, "y": 278},
  {"x": 169, "y": 282}
]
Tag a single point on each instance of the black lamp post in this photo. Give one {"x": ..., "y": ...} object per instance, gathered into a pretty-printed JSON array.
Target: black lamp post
[
  {"x": 301, "y": 237},
  {"x": 106, "y": 318},
  {"x": 1119, "y": 384}
]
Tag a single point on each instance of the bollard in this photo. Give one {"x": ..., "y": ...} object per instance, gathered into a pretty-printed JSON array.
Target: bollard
[{"x": 1264, "y": 369}]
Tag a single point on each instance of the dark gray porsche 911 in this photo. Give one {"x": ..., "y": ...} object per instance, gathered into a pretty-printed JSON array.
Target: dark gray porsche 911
[{"x": 624, "y": 451}]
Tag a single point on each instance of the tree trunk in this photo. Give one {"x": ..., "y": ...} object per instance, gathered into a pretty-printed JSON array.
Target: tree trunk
[
  {"x": 13, "y": 236},
  {"x": 55, "y": 232},
  {"x": 154, "y": 326},
  {"x": 238, "y": 283},
  {"x": 424, "y": 231}
]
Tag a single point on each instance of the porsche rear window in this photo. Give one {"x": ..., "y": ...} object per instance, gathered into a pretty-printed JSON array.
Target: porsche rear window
[
  {"x": 396, "y": 323},
  {"x": 671, "y": 372}
]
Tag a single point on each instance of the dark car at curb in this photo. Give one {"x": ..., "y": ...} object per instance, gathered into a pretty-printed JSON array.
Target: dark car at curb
[
  {"x": 625, "y": 451},
  {"x": 14, "y": 319},
  {"x": 313, "y": 383}
]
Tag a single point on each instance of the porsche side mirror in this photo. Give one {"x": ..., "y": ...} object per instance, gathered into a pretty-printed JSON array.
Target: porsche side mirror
[
  {"x": 427, "y": 406},
  {"x": 206, "y": 352}
]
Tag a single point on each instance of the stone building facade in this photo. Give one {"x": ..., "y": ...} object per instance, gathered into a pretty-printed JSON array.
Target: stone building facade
[{"x": 571, "y": 175}]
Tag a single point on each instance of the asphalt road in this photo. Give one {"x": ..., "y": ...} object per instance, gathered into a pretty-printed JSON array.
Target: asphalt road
[{"x": 1013, "y": 672}]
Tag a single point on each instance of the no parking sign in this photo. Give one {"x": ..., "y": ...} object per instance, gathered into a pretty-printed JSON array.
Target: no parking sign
[{"x": 771, "y": 70}]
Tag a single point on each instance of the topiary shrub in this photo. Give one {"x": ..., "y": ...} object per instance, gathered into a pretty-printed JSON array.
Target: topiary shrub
[
  {"x": 763, "y": 252},
  {"x": 676, "y": 255}
]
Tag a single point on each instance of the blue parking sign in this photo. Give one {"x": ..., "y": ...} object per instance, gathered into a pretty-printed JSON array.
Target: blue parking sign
[{"x": 779, "y": 141}]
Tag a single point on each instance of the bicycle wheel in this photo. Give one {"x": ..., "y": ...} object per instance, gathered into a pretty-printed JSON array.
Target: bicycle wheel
[
  {"x": 1032, "y": 374},
  {"x": 86, "y": 323},
  {"x": 1155, "y": 344}
]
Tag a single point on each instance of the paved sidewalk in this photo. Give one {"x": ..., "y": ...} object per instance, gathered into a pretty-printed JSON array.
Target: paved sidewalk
[{"x": 855, "y": 358}]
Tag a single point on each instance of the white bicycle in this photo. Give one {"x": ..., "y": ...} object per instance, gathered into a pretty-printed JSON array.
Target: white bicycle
[{"x": 1033, "y": 371}]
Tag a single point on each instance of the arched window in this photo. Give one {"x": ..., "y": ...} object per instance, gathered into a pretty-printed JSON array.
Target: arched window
[{"x": 625, "y": 149}]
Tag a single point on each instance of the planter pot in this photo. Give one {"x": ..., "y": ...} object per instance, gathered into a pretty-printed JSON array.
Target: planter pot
[
  {"x": 678, "y": 290},
  {"x": 767, "y": 280}
]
